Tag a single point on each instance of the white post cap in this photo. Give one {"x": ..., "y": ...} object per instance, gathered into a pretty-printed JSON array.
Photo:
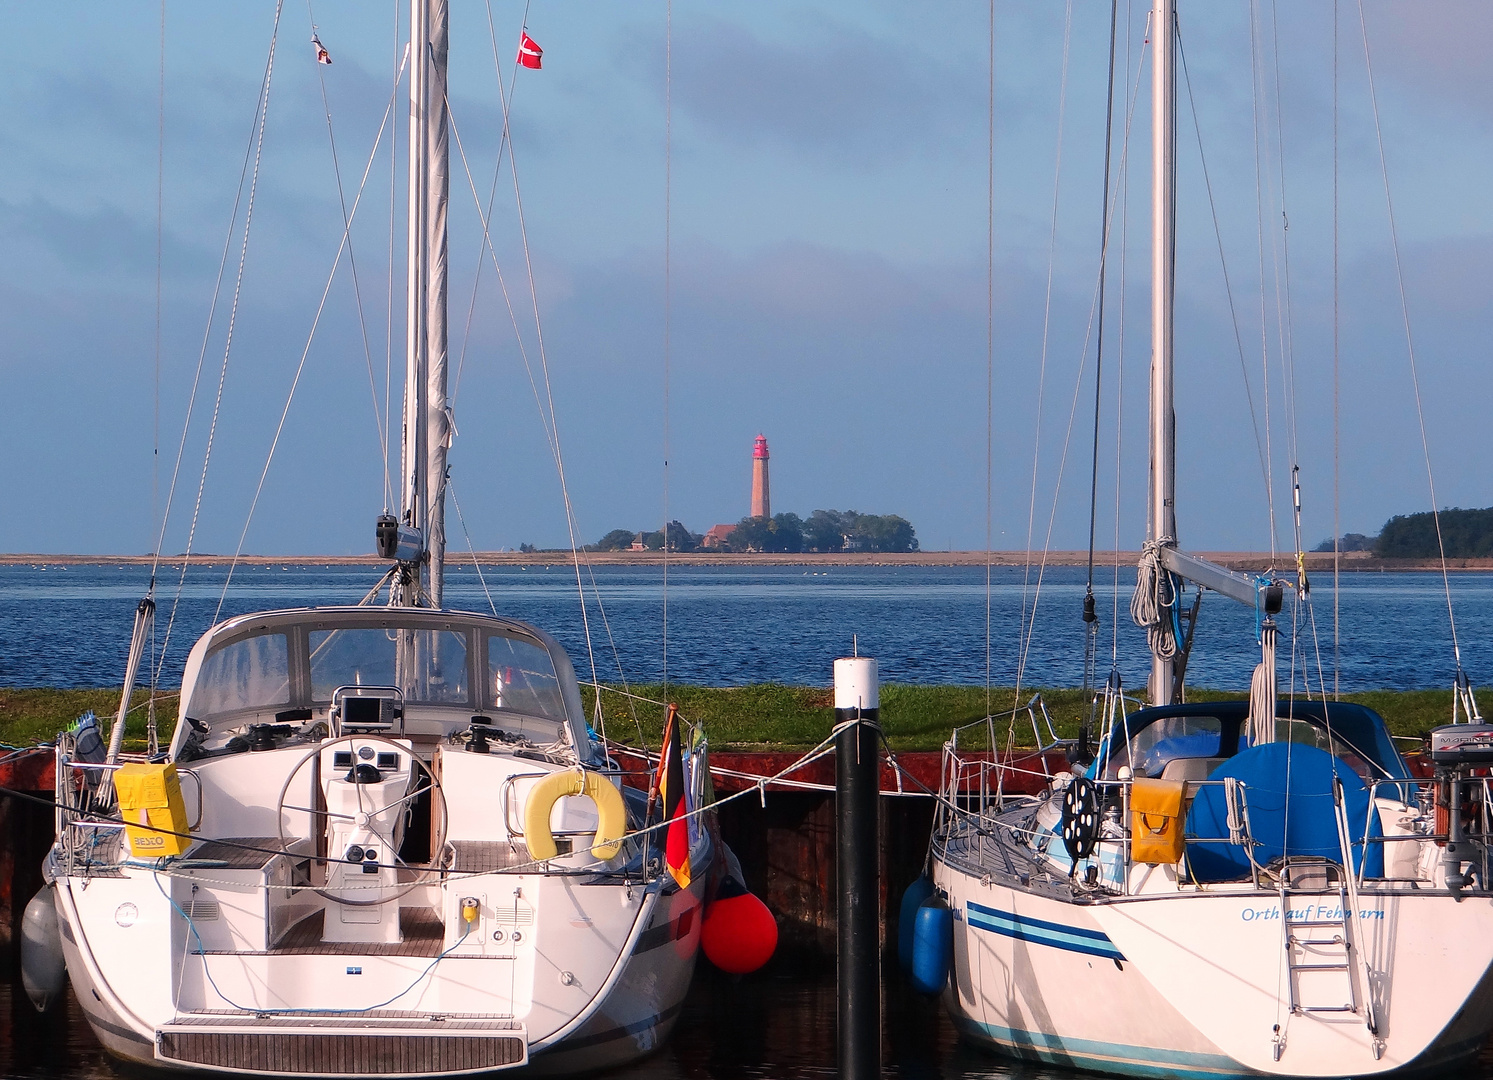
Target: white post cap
[{"x": 857, "y": 685}]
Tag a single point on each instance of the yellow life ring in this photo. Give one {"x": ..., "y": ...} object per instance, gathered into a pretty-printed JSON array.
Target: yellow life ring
[{"x": 611, "y": 813}]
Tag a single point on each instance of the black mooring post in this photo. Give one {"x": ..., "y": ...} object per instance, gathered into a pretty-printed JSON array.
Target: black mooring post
[{"x": 857, "y": 783}]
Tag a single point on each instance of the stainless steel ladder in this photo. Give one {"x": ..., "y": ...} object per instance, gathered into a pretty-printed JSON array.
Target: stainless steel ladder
[{"x": 1319, "y": 944}]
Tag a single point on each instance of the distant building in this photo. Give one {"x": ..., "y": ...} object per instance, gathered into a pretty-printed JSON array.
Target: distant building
[
  {"x": 637, "y": 544},
  {"x": 761, "y": 498},
  {"x": 718, "y": 537}
]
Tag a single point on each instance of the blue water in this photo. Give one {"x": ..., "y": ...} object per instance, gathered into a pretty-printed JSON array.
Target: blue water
[{"x": 730, "y": 625}]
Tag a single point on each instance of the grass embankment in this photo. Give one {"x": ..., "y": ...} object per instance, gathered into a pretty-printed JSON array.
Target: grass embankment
[{"x": 766, "y": 716}]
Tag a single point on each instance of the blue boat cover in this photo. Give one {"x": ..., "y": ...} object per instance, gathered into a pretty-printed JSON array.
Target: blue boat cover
[{"x": 1288, "y": 790}]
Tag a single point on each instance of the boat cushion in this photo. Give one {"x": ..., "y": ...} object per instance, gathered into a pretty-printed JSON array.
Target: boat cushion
[{"x": 1288, "y": 794}]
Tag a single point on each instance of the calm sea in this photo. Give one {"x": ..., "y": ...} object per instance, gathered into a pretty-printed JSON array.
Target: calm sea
[{"x": 730, "y": 625}]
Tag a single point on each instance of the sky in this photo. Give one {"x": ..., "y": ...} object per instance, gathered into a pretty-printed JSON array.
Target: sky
[{"x": 824, "y": 207}]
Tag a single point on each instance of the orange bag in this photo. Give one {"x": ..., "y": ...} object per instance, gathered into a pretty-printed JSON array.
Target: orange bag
[{"x": 1156, "y": 820}]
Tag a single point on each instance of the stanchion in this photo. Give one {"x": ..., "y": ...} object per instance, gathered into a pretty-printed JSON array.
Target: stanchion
[{"x": 857, "y": 782}]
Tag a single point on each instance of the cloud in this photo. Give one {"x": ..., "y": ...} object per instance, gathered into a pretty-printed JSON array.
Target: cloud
[{"x": 834, "y": 92}]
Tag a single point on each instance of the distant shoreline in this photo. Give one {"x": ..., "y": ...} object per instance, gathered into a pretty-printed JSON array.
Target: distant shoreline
[{"x": 1316, "y": 562}]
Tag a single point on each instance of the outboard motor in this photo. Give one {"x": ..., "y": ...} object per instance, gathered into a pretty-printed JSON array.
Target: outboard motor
[{"x": 1456, "y": 749}]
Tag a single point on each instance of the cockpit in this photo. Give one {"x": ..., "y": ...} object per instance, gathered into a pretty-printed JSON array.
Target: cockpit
[{"x": 256, "y": 682}]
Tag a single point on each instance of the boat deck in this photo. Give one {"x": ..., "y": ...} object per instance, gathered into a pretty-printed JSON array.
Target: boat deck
[{"x": 423, "y": 933}]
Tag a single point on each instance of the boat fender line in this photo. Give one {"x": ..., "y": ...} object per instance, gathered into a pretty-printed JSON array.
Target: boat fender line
[
  {"x": 932, "y": 946},
  {"x": 611, "y": 813},
  {"x": 1080, "y": 822},
  {"x": 43, "y": 969}
]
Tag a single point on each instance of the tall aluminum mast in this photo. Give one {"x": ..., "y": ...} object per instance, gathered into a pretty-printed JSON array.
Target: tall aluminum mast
[
  {"x": 427, "y": 424},
  {"x": 1162, "y": 521}
]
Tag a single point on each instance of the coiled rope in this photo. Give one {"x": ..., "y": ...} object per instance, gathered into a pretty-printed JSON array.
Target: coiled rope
[{"x": 1155, "y": 597}]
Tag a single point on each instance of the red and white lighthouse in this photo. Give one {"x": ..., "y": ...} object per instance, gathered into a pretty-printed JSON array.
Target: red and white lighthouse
[{"x": 761, "y": 502}]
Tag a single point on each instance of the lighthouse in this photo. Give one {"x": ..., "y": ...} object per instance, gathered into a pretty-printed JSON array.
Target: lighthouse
[{"x": 761, "y": 502}]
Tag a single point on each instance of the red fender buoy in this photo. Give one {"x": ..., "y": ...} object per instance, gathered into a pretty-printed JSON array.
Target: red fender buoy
[{"x": 740, "y": 934}]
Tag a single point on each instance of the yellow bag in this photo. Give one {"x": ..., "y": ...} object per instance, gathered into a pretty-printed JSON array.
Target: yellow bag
[
  {"x": 150, "y": 795},
  {"x": 1156, "y": 820}
]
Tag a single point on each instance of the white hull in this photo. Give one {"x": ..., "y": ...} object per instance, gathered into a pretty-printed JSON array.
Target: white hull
[
  {"x": 608, "y": 1015},
  {"x": 1193, "y": 984}
]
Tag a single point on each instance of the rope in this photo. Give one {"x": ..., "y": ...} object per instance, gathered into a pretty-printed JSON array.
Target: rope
[
  {"x": 1262, "y": 690},
  {"x": 1154, "y": 599}
]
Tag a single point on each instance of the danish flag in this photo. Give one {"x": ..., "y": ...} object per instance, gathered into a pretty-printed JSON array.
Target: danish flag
[{"x": 529, "y": 52}]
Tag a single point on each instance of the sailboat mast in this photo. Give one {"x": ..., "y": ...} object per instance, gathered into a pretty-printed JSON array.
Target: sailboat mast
[
  {"x": 427, "y": 426},
  {"x": 1162, "y": 522},
  {"x": 437, "y": 196}
]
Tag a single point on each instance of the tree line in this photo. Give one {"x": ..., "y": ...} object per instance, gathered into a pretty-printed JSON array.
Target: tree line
[
  {"x": 823, "y": 530},
  {"x": 1468, "y": 534}
]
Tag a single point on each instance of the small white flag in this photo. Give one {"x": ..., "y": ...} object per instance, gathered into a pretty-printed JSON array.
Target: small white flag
[{"x": 322, "y": 56}]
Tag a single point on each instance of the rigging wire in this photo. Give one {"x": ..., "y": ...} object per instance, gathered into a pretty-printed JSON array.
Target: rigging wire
[
  {"x": 1029, "y": 623},
  {"x": 345, "y": 245},
  {"x": 668, "y": 302},
  {"x": 492, "y": 195},
  {"x": 545, "y": 420},
  {"x": 1090, "y": 617},
  {"x": 155, "y": 445},
  {"x": 400, "y": 57},
  {"x": 1394, "y": 240},
  {"x": 476, "y": 562},
  {"x": 380, "y": 426},
  {"x": 989, "y": 356},
  {"x": 253, "y": 151},
  {"x": 1123, "y": 196},
  {"x": 1028, "y": 617},
  {"x": 1249, "y": 396},
  {"x": 1337, "y": 527},
  {"x": 1255, "y": 63}
]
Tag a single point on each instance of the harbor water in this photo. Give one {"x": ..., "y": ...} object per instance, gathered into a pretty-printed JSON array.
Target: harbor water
[
  {"x": 69, "y": 625},
  {"x": 730, "y": 625},
  {"x": 772, "y": 1028}
]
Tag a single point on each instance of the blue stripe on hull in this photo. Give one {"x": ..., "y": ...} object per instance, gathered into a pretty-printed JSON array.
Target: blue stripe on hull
[
  {"x": 1041, "y": 932},
  {"x": 1112, "y": 1058}
]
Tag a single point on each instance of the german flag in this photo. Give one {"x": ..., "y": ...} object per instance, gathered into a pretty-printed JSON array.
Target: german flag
[{"x": 670, "y": 784}]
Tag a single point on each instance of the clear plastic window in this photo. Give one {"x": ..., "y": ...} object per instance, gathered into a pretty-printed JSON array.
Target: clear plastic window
[
  {"x": 1306, "y": 734},
  {"x": 369, "y": 656},
  {"x": 1162, "y": 741},
  {"x": 250, "y": 673},
  {"x": 522, "y": 678}
]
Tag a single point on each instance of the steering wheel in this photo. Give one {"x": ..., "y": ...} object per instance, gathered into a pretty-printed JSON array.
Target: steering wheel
[
  {"x": 1080, "y": 820},
  {"x": 437, "y": 809}
]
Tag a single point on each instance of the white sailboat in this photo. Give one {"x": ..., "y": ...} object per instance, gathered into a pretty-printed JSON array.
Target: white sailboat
[
  {"x": 383, "y": 840},
  {"x": 1227, "y": 888}
]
